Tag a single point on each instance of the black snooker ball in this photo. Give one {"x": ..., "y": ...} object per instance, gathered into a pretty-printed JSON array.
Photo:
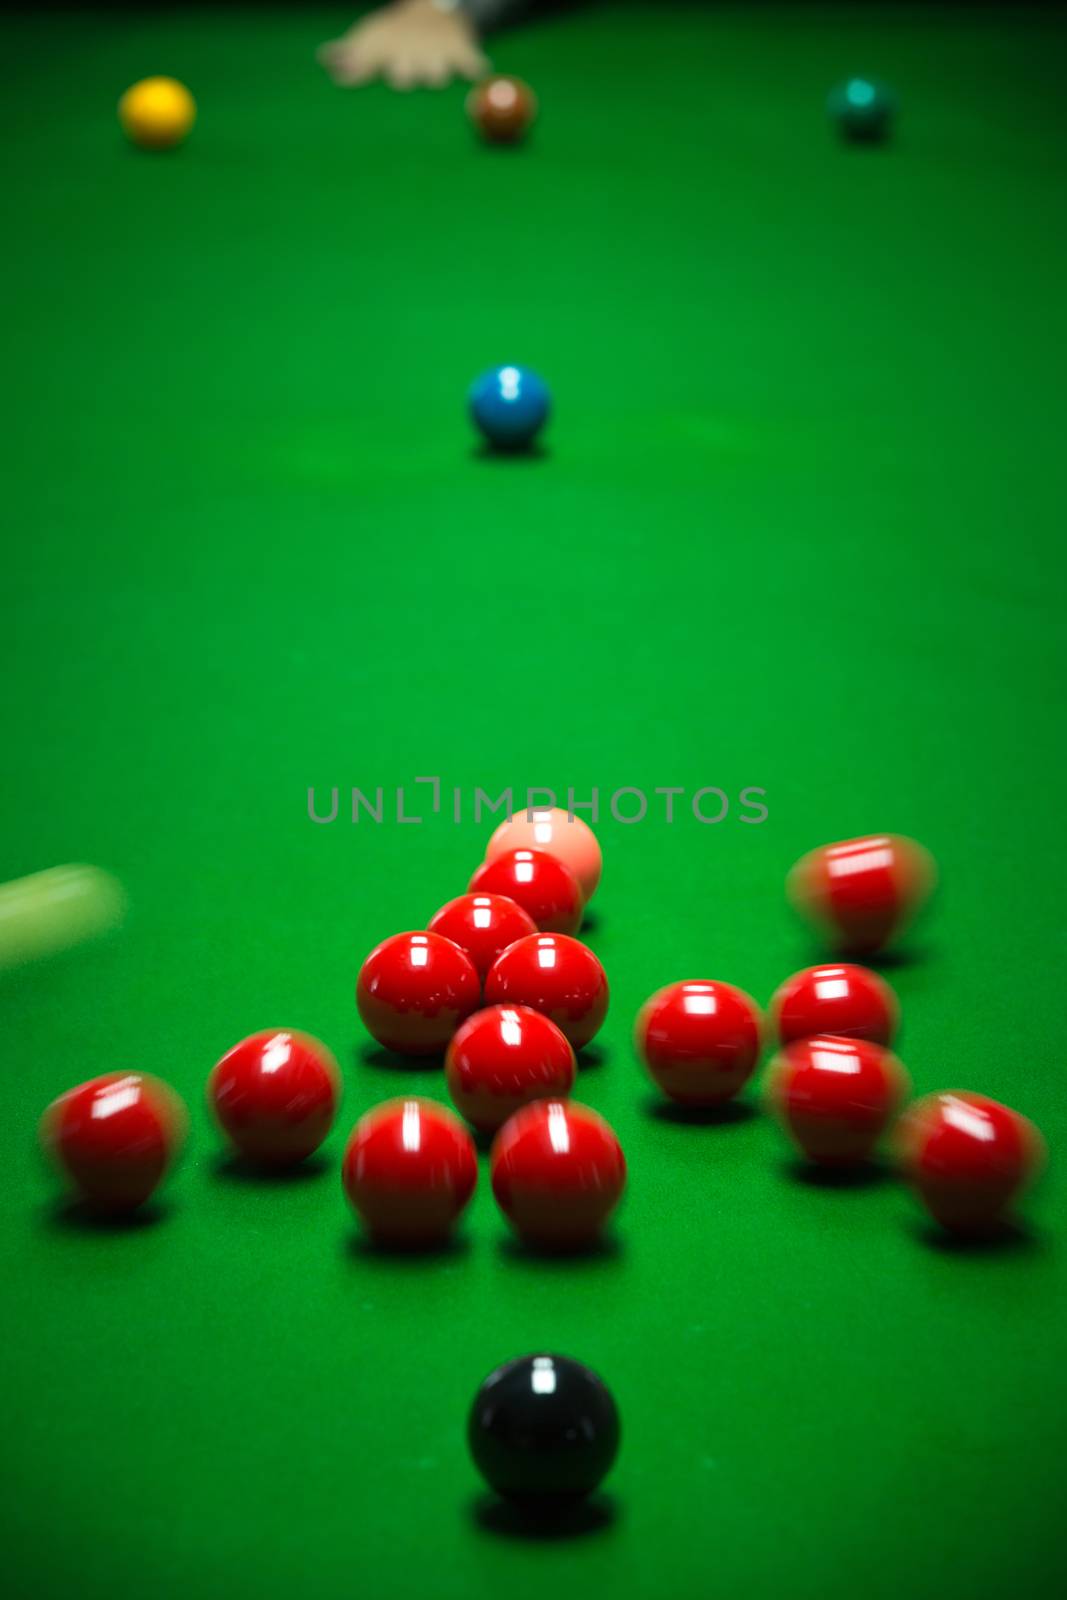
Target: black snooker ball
[{"x": 543, "y": 1430}]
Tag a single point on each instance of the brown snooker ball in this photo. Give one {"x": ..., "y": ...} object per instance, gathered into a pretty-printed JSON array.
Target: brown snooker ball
[{"x": 502, "y": 109}]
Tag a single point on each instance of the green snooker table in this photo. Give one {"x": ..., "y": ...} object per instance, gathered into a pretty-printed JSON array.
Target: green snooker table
[{"x": 797, "y": 525}]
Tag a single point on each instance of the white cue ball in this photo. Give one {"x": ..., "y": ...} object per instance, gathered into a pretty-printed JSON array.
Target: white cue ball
[{"x": 53, "y": 910}]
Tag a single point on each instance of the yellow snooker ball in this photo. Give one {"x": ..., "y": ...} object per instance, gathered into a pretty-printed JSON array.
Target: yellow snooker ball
[{"x": 157, "y": 113}]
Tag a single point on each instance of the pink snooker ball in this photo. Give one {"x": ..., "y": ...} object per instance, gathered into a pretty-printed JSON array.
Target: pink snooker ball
[{"x": 557, "y": 833}]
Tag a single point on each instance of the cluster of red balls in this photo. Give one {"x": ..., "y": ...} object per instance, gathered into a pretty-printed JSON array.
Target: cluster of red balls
[
  {"x": 836, "y": 1087},
  {"x": 498, "y": 983}
]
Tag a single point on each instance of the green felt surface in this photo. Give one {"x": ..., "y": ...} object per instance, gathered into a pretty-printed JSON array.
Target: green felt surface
[{"x": 798, "y": 524}]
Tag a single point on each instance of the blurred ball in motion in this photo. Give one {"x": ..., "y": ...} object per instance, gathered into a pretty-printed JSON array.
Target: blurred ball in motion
[
  {"x": 54, "y": 910},
  {"x": 502, "y": 109},
  {"x": 157, "y": 113},
  {"x": 835, "y": 1097},
  {"x": 967, "y": 1158},
  {"x": 861, "y": 894},
  {"x": 114, "y": 1138},
  {"x": 275, "y": 1096}
]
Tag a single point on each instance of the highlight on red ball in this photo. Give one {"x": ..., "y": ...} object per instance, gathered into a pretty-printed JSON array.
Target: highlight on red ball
[
  {"x": 558, "y": 1172},
  {"x": 969, "y": 1159},
  {"x": 502, "y": 1058},
  {"x": 836, "y": 1097},
  {"x": 483, "y": 925},
  {"x": 114, "y": 1138},
  {"x": 699, "y": 1040},
  {"x": 542, "y": 885},
  {"x": 862, "y": 894},
  {"x": 275, "y": 1096},
  {"x": 558, "y": 833},
  {"x": 409, "y": 1170},
  {"x": 414, "y": 990},
  {"x": 838, "y": 998},
  {"x": 556, "y": 975}
]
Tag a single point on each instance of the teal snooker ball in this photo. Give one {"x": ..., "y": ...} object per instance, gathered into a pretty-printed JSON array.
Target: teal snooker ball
[{"x": 862, "y": 110}]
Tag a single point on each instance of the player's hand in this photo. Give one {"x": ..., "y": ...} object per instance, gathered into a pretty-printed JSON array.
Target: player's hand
[{"x": 409, "y": 43}]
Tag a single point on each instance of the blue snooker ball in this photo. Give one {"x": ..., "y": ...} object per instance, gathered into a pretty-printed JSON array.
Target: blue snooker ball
[{"x": 510, "y": 405}]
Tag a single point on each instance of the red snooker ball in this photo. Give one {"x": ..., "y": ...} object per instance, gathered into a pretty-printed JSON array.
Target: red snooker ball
[
  {"x": 849, "y": 1001},
  {"x": 860, "y": 894},
  {"x": 115, "y": 1137},
  {"x": 561, "y": 834},
  {"x": 558, "y": 1173},
  {"x": 968, "y": 1158},
  {"x": 558, "y": 976},
  {"x": 699, "y": 1040},
  {"x": 275, "y": 1095},
  {"x": 502, "y": 109},
  {"x": 409, "y": 1169},
  {"x": 482, "y": 925},
  {"x": 835, "y": 1097},
  {"x": 504, "y": 1057},
  {"x": 414, "y": 990},
  {"x": 544, "y": 888}
]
